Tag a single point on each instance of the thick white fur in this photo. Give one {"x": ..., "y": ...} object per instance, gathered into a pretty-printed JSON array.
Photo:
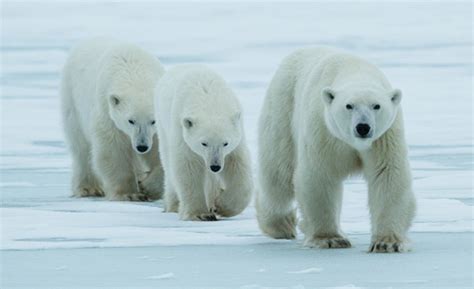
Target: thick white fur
[
  {"x": 105, "y": 84},
  {"x": 196, "y": 107},
  {"x": 308, "y": 146}
]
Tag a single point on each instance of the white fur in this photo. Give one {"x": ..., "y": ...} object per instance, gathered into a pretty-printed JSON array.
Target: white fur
[
  {"x": 308, "y": 145},
  {"x": 105, "y": 84},
  {"x": 200, "y": 126}
]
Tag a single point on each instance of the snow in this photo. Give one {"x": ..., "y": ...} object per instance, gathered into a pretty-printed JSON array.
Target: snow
[
  {"x": 306, "y": 271},
  {"x": 53, "y": 240},
  {"x": 162, "y": 276}
]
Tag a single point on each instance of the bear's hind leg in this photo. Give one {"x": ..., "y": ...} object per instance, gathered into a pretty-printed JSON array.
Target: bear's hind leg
[
  {"x": 276, "y": 213},
  {"x": 84, "y": 181},
  {"x": 170, "y": 197}
]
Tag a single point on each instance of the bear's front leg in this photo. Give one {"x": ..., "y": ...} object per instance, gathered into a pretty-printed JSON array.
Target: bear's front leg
[
  {"x": 152, "y": 184},
  {"x": 188, "y": 176},
  {"x": 391, "y": 200},
  {"x": 170, "y": 197},
  {"x": 320, "y": 197},
  {"x": 213, "y": 186},
  {"x": 236, "y": 192},
  {"x": 112, "y": 160},
  {"x": 392, "y": 208}
]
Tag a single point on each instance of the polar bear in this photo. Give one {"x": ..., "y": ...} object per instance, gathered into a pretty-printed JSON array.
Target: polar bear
[
  {"x": 107, "y": 93},
  {"x": 328, "y": 115},
  {"x": 202, "y": 145}
]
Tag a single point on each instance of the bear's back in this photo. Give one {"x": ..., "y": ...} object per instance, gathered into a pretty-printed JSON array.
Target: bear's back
[{"x": 198, "y": 90}]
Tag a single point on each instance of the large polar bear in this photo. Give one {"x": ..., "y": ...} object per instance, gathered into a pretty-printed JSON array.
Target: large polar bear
[
  {"x": 328, "y": 115},
  {"x": 202, "y": 145},
  {"x": 107, "y": 92}
]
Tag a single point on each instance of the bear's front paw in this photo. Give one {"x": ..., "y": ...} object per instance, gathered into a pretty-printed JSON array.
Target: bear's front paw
[
  {"x": 171, "y": 202},
  {"x": 139, "y": 197},
  {"x": 207, "y": 217},
  {"x": 199, "y": 217},
  {"x": 171, "y": 208},
  {"x": 150, "y": 189},
  {"x": 388, "y": 244},
  {"x": 133, "y": 197},
  {"x": 88, "y": 192},
  {"x": 213, "y": 210},
  {"x": 328, "y": 242}
]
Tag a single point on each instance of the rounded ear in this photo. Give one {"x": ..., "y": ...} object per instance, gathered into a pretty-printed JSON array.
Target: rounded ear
[
  {"x": 328, "y": 95},
  {"x": 396, "y": 96},
  {"x": 114, "y": 100},
  {"x": 188, "y": 122}
]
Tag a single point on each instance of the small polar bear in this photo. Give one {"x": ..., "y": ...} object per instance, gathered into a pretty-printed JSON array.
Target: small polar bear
[
  {"x": 107, "y": 92},
  {"x": 328, "y": 115},
  {"x": 202, "y": 145}
]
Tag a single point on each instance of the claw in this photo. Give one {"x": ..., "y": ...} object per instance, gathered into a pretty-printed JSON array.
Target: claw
[
  {"x": 387, "y": 246},
  {"x": 396, "y": 248},
  {"x": 372, "y": 247},
  {"x": 207, "y": 218},
  {"x": 331, "y": 242},
  {"x": 138, "y": 198}
]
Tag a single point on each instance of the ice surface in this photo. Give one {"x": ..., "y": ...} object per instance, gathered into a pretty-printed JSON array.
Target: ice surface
[
  {"x": 306, "y": 271},
  {"x": 52, "y": 240}
]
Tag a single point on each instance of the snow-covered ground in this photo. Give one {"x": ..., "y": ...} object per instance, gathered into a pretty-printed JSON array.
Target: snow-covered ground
[{"x": 50, "y": 240}]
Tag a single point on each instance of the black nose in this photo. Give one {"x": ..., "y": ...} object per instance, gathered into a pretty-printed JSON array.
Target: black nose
[
  {"x": 142, "y": 149},
  {"x": 363, "y": 129},
  {"x": 215, "y": 168}
]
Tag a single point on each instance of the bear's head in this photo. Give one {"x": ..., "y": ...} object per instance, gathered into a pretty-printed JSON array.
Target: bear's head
[
  {"x": 212, "y": 138},
  {"x": 136, "y": 118},
  {"x": 360, "y": 115}
]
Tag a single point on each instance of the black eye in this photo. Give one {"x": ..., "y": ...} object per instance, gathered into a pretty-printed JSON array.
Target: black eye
[
  {"x": 349, "y": 106},
  {"x": 377, "y": 107},
  {"x": 226, "y": 144},
  {"x": 153, "y": 122},
  {"x": 131, "y": 121},
  {"x": 204, "y": 144}
]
